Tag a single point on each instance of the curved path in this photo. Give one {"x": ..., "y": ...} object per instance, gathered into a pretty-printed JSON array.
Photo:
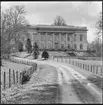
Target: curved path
[{"x": 74, "y": 86}]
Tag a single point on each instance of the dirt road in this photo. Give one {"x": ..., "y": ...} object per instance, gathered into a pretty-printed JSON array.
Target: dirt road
[{"x": 74, "y": 87}]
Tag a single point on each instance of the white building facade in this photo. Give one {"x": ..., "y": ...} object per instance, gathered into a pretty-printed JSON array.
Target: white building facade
[{"x": 59, "y": 37}]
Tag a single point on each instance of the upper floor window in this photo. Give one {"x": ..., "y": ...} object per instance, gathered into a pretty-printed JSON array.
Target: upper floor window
[
  {"x": 42, "y": 37},
  {"x": 56, "y": 37},
  {"x": 49, "y": 37},
  {"x": 81, "y": 37},
  {"x": 63, "y": 37},
  {"x": 81, "y": 46},
  {"x": 74, "y": 37},
  {"x": 68, "y": 38}
]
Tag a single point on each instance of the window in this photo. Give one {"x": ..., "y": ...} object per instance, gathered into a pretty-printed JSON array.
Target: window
[
  {"x": 68, "y": 38},
  {"x": 68, "y": 46},
  {"x": 49, "y": 46},
  {"x": 42, "y": 46},
  {"x": 75, "y": 46},
  {"x": 63, "y": 37},
  {"x": 56, "y": 37},
  {"x": 81, "y": 46},
  {"x": 74, "y": 37},
  {"x": 42, "y": 37},
  {"x": 81, "y": 37},
  {"x": 49, "y": 37},
  {"x": 62, "y": 46}
]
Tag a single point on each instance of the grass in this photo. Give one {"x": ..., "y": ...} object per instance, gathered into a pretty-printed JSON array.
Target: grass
[
  {"x": 13, "y": 66},
  {"x": 42, "y": 88},
  {"x": 49, "y": 95}
]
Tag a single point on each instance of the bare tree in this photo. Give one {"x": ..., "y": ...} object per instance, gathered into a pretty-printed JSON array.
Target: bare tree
[
  {"x": 59, "y": 21},
  {"x": 98, "y": 47},
  {"x": 99, "y": 26},
  {"x": 12, "y": 23},
  {"x": 98, "y": 42}
]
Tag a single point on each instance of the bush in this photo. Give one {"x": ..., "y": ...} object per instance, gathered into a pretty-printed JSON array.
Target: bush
[
  {"x": 35, "y": 54},
  {"x": 20, "y": 47},
  {"x": 25, "y": 78},
  {"x": 28, "y": 46},
  {"x": 35, "y": 50},
  {"x": 45, "y": 55}
]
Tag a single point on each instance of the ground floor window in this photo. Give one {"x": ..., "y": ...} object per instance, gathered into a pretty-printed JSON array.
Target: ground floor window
[
  {"x": 75, "y": 46},
  {"x": 68, "y": 46},
  {"x": 49, "y": 46},
  {"x": 56, "y": 45},
  {"x": 42, "y": 46},
  {"x": 81, "y": 46},
  {"x": 62, "y": 46}
]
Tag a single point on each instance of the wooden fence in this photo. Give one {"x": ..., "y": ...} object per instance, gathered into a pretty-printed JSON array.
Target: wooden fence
[
  {"x": 14, "y": 77},
  {"x": 96, "y": 69}
]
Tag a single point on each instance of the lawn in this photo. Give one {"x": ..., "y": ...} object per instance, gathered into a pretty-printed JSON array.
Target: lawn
[
  {"x": 13, "y": 66},
  {"x": 42, "y": 88}
]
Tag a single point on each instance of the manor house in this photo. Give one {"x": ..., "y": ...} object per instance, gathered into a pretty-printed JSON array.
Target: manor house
[{"x": 59, "y": 37}]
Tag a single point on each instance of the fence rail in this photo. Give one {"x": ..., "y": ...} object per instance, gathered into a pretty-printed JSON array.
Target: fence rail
[
  {"x": 96, "y": 69},
  {"x": 14, "y": 77}
]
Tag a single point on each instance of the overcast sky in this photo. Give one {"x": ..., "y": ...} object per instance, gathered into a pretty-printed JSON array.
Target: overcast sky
[{"x": 74, "y": 13}]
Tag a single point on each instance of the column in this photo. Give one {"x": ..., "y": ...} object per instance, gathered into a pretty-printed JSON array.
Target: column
[
  {"x": 53, "y": 41},
  {"x": 66, "y": 40},
  {"x": 60, "y": 40},
  {"x": 39, "y": 40},
  {"x": 46, "y": 40},
  {"x": 72, "y": 41}
]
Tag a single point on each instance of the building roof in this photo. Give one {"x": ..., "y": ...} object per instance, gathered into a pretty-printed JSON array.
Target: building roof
[{"x": 58, "y": 27}]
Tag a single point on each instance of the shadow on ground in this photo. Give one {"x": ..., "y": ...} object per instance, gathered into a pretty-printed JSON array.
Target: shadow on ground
[
  {"x": 41, "y": 94},
  {"x": 84, "y": 94}
]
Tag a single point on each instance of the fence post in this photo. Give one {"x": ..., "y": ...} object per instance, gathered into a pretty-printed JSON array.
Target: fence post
[
  {"x": 4, "y": 79},
  {"x": 69, "y": 60},
  {"x": 20, "y": 78},
  {"x": 97, "y": 70},
  {"x": 101, "y": 71},
  {"x": 85, "y": 67},
  {"x": 14, "y": 76},
  {"x": 80, "y": 64},
  {"x": 88, "y": 68},
  {"x": 17, "y": 76},
  {"x": 91, "y": 68},
  {"x": 9, "y": 78},
  {"x": 76, "y": 63}
]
